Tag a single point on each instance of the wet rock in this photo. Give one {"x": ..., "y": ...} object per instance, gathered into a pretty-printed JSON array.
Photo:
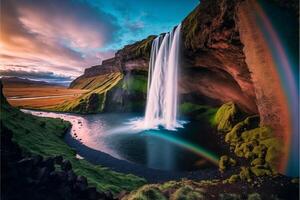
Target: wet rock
[
  {"x": 66, "y": 165},
  {"x": 49, "y": 163},
  {"x": 43, "y": 173},
  {"x": 37, "y": 159},
  {"x": 81, "y": 183},
  {"x": 25, "y": 165},
  {"x": 71, "y": 176},
  {"x": 58, "y": 160},
  {"x": 92, "y": 193},
  {"x": 109, "y": 195}
]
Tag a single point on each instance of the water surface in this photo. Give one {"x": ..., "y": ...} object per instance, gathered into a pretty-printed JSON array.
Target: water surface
[{"x": 190, "y": 148}]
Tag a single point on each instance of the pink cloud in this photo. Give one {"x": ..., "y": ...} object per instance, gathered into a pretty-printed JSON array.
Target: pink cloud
[{"x": 52, "y": 35}]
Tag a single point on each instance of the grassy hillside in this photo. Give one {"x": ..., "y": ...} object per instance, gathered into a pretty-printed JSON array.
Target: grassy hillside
[
  {"x": 91, "y": 83},
  {"x": 44, "y": 136},
  {"x": 94, "y": 100}
]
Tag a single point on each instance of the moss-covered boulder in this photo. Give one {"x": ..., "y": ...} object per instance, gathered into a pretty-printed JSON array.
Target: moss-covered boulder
[
  {"x": 234, "y": 135},
  {"x": 147, "y": 192},
  {"x": 227, "y": 116},
  {"x": 188, "y": 193},
  {"x": 226, "y": 162}
]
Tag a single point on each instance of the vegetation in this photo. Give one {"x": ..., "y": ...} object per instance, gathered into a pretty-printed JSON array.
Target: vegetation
[
  {"x": 136, "y": 83},
  {"x": 206, "y": 189},
  {"x": 58, "y": 96},
  {"x": 140, "y": 49},
  {"x": 190, "y": 27},
  {"x": 256, "y": 144},
  {"x": 227, "y": 115},
  {"x": 44, "y": 136},
  {"x": 200, "y": 111},
  {"x": 94, "y": 100}
]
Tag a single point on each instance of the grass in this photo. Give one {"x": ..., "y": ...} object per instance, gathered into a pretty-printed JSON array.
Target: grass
[
  {"x": 44, "y": 136},
  {"x": 94, "y": 82},
  {"x": 140, "y": 49},
  {"x": 98, "y": 89},
  {"x": 59, "y": 96},
  {"x": 40, "y": 91}
]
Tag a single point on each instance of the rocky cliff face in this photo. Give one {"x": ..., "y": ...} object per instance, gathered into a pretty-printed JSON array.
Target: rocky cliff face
[{"x": 213, "y": 56}]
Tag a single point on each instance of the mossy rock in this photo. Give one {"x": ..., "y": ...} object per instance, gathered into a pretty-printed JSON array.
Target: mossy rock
[
  {"x": 234, "y": 136},
  {"x": 140, "y": 49},
  {"x": 229, "y": 196},
  {"x": 147, "y": 192},
  {"x": 260, "y": 133},
  {"x": 261, "y": 170},
  {"x": 245, "y": 174},
  {"x": 168, "y": 185},
  {"x": 245, "y": 149},
  {"x": 257, "y": 161},
  {"x": 273, "y": 154},
  {"x": 225, "y": 163},
  {"x": 254, "y": 196},
  {"x": 188, "y": 193},
  {"x": 227, "y": 116},
  {"x": 234, "y": 178},
  {"x": 135, "y": 83}
]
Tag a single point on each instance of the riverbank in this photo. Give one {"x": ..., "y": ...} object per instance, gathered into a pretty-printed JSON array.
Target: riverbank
[{"x": 44, "y": 136}]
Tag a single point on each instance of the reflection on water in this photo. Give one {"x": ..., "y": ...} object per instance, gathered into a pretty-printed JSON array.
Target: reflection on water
[{"x": 190, "y": 148}]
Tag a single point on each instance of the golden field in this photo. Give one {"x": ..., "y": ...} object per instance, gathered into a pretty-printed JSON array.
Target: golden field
[{"x": 40, "y": 97}]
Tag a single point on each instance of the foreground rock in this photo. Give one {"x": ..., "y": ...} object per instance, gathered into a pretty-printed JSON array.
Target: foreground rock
[{"x": 36, "y": 178}]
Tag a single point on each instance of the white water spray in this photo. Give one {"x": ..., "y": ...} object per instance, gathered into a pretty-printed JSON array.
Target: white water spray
[{"x": 161, "y": 108}]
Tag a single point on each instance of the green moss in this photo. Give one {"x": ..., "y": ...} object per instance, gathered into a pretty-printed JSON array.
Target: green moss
[
  {"x": 234, "y": 136},
  {"x": 254, "y": 196},
  {"x": 245, "y": 174},
  {"x": 261, "y": 170},
  {"x": 226, "y": 162},
  {"x": 140, "y": 49},
  {"x": 190, "y": 27},
  {"x": 94, "y": 100},
  {"x": 44, "y": 136},
  {"x": 168, "y": 185},
  {"x": 136, "y": 83},
  {"x": 188, "y": 193},
  {"x": 260, "y": 133},
  {"x": 234, "y": 178},
  {"x": 229, "y": 196},
  {"x": 258, "y": 161},
  {"x": 147, "y": 192},
  {"x": 201, "y": 111},
  {"x": 227, "y": 116}
]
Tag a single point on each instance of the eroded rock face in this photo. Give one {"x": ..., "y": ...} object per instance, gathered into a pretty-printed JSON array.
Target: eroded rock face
[{"x": 214, "y": 52}]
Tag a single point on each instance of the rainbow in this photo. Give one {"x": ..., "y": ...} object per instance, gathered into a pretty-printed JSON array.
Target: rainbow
[
  {"x": 213, "y": 158},
  {"x": 286, "y": 66}
]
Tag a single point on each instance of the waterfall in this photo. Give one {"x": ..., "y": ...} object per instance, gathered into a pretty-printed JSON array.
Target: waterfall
[{"x": 161, "y": 108}]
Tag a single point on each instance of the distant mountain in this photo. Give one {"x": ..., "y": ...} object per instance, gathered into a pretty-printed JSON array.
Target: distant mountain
[{"x": 10, "y": 82}]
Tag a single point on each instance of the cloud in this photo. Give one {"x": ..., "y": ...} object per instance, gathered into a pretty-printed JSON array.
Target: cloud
[
  {"x": 64, "y": 36},
  {"x": 37, "y": 75}
]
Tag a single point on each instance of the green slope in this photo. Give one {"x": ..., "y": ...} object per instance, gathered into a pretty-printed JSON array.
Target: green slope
[
  {"x": 94, "y": 100},
  {"x": 44, "y": 136}
]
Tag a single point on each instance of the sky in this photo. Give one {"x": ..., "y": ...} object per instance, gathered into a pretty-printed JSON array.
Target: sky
[{"x": 55, "y": 40}]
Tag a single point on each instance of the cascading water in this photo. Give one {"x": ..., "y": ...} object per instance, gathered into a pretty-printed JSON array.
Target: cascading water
[{"x": 161, "y": 108}]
